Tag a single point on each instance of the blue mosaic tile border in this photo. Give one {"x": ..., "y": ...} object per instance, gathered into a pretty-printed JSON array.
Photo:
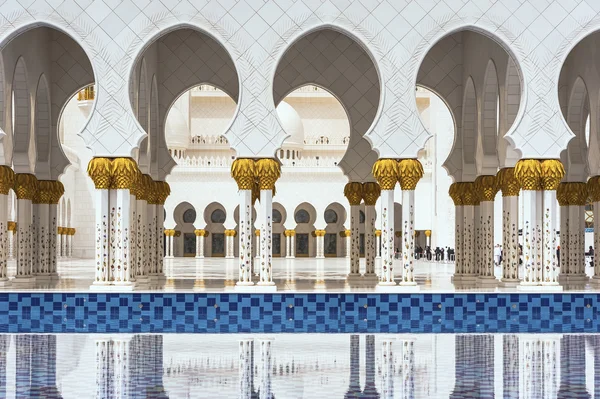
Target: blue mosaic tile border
[{"x": 297, "y": 313}]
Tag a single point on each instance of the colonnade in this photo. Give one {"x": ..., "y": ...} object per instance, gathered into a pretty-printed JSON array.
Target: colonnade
[
  {"x": 65, "y": 241},
  {"x": 129, "y": 224},
  {"x": 552, "y": 249}
]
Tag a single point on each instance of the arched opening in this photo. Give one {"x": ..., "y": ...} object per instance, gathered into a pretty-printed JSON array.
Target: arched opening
[
  {"x": 335, "y": 219},
  {"x": 215, "y": 217},
  {"x": 305, "y": 216},
  {"x": 185, "y": 217},
  {"x": 328, "y": 60}
]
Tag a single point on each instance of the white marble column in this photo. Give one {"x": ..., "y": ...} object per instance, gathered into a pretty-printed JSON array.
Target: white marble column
[
  {"x": 43, "y": 234},
  {"x": 288, "y": 244},
  {"x": 141, "y": 263},
  {"x": 25, "y": 188},
  {"x": 229, "y": 244},
  {"x": 563, "y": 201},
  {"x": 578, "y": 195},
  {"x": 199, "y": 243},
  {"x": 510, "y": 225},
  {"x": 152, "y": 239},
  {"x": 370, "y": 247},
  {"x": 386, "y": 171},
  {"x": 468, "y": 233},
  {"x": 291, "y": 235},
  {"x": 528, "y": 173},
  {"x": 410, "y": 172},
  {"x": 6, "y": 183},
  {"x": 99, "y": 170},
  {"x": 11, "y": 239},
  {"x": 164, "y": 190},
  {"x": 70, "y": 242},
  {"x": 552, "y": 173},
  {"x": 510, "y": 362},
  {"x": 377, "y": 244},
  {"x": 169, "y": 234},
  {"x": 354, "y": 191},
  {"x": 455, "y": 193},
  {"x": 120, "y": 199},
  {"x": 486, "y": 188},
  {"x": 245, "y": 232},
  {"x": 36, "y": 267},
  {"x": 348, "y": 243},
  {"x": 593, "y": 186},
  {"x": 320, "y": 241},
  {"x": 267, "y": 171}
]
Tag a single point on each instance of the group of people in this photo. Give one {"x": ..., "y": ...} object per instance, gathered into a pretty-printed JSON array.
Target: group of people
[{"x": 439, "y": 254}]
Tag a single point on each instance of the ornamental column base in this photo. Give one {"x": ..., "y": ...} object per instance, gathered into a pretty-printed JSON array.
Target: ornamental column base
[{"x": 487, "y": 281}]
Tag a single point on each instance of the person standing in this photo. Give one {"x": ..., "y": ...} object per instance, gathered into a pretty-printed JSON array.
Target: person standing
[{"x": 497, "y": 253}]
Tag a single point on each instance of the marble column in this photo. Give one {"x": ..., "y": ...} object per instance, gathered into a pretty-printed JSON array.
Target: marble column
[
  {"x": 7, "y": 179},
  {"x": 46, "y": 201},
  {"x": 510, "y": 225},
  {"x": 63, "y": 241},
  {"x": 371, "y": 193},
  {"x": 268, "y": 171},
  {"x": 164, "y": 190},
  {"x": 486, "y": 187},
  {"x": 593, "y": 188},
  {"x": 290, "y": 244},
  {"x": 26, "y": 186},
  {"x": 199, "y": 243},
  {"x": 386, "y": 171},
  {"x": 320, "y": 240},
  {"x": 142, "y": 267},
  {"x": 70, "y": 242},
  {"x": 243, "y": 171},
  {"x": 528, "y": 173},
  {"x": 410, "y": 172},
  {"x": 229, "y": 244},
  {"x": 257, "y": 246},
  {"x": 152, "y": 200},
  {"x": 477, "y": 222},
  {"x": 125, "y": 175},
  {"x": 469, "y": 201},
  {"x": 377, "y": 244},
  {"x": 552, "y": 173},
  {"x": 12, "y": 228},
  {"x": 455, "y": 193},
  {"x": 574, "y": 195},
  {"x": 428, "y": 238},
  {"x": 347, "y": 234},
  {"x": 354, "y": 191},
  {"x": 169, "y": 234}
]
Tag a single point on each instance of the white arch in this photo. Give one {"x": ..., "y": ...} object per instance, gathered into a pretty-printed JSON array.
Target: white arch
[
  {"x": 487, "y": 137},
  {"x": 21, "y": 109},
  {"x": 577, "y": 113},
  {"x": 42, "y": 129}
]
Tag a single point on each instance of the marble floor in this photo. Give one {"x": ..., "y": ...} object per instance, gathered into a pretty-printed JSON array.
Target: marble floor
[{"x": 217, "y": 275}]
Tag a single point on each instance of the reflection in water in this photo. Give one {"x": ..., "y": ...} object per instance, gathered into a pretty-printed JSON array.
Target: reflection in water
[{"x": 300, "y": 366}]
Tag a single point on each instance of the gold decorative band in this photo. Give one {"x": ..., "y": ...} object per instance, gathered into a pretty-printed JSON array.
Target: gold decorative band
[
  {"x": 289, "y": 233},
  {"x": 26, "y": 186},
  {"x": 169, "y": 232},
  {"x": 114, "y": 173},
  {"x": 320, "y": 233},
  {"x": 257, "y": 232},
  {"x": 377, "y": 233},
  {"x": 7, "y": 179},
  {"x": 428, "y": 233},
  {"x": 345, "y": 233},
  {"x": 486, "y": 188},
  {"x": 11, "y": 226}
]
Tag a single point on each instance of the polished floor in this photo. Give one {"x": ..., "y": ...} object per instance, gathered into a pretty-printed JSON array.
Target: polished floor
[
  {"x": 216, "y": 275},
  {"x": 290, "y": 366}
]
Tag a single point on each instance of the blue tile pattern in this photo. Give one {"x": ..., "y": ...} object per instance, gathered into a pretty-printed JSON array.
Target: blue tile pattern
[{"x": 275, "y": 313}]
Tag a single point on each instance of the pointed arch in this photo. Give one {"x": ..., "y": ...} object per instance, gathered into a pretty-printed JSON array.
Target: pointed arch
[
  {"x": 142, "y": 115},
  {"x": 488, "y": 131},
  {"x": 21, "y": 118},
  {"x": 578, "y": 110},
  {"x": 43, "y": 128},
  {"x": 470, "y": 121},
  {"x": 153, "y": 133}
]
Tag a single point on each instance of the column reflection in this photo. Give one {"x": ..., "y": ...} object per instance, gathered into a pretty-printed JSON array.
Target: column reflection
[
  {"x": 370, "y": 391},
  {"x": 474, "y": 367},
  {"x": 354, "y": 390}
]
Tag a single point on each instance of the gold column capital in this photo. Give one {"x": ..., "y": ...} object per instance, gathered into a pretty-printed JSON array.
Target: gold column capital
[
  {"x": 11, "y": 226},
  {"x": 507, "y": 182},
  {"x": 417, "y": 233},
  {"x": 268, "y": 171},
  {"x": 455, "y": 194},
  {"x": 345, "y": 233},
  {"x": 169, "y": 232},
  {"x": 467, "y": 193},
  {"x": 124, "y": 173},
  {"x": 7, "y": 179},
  {"x": 163, "y": 190},
  {"x": 354, "y": 192},
  {"x": 243, "y": 172},
  {"x": 370, "y": 193},
  {"x": 486, "y": 187},
  {"x": 257, "y": 232},
  {"x": 428, "y": 233},
  {"x": 199, "y": 232},
  {"x": 386, "y": 173},
  {"x": 576, "y": 192},
  {"x": 561, "y": 194},
  {"x": 528, "y": 173},
  {"x": 48, "y": 192},
  {"x": 552, "y": 173},
  {"x": 320, "y": 233},
  {"x": 377, "y": 233},
  {"x": 593, "y": 186},
  {"x": 26, "y": 186},
  {"x": 230, "y": 233},
  {"x": 410, "y": 172},
  {"x": 100, "y": 171},
  {"x": 290, "y": 233},
  {"x": 177, "y": 233}
]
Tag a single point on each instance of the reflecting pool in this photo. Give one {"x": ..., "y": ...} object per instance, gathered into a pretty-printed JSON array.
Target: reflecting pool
[{"x": 300, "y": 366}]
